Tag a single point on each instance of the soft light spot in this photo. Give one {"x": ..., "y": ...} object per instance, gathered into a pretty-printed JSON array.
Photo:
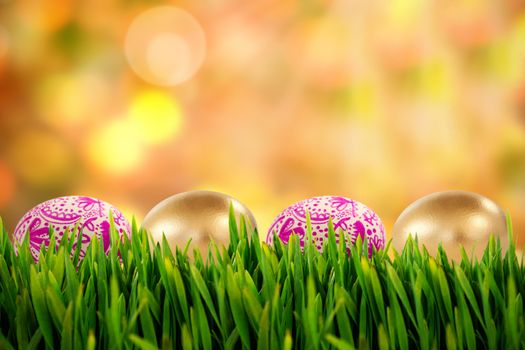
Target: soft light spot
[
  {"x": 40, "y": 158},
  {"x": 7, "y": 184},
  {"x": 165, "y": 46},
  {"x": 4, "y": 43},
  {"x": 156, "y": 116},
  {"x": 114, "y": 148}
]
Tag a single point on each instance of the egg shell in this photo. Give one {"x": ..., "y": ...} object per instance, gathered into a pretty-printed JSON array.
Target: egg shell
[
  {"x": 454, "y": 219},
  {"x": 351, "y": 217},
  {"x": 201, "y": 216},
  {"x": 90, "y": 214}
]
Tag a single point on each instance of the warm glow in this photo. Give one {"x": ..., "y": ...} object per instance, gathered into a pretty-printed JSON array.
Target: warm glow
[
  {"x": 7, "y": 184},
  {"x": 156, "y": 116},
  {"x": 4, "y": 43},
  {"x": 114, "y": 148},
  {"x": 41, "y": 158},
  {"x": 165, "y": 45},
  {"x": 169, "y": 58},
  {"x": 70, "y": 100},
  {"x": 271, "y": 103}
]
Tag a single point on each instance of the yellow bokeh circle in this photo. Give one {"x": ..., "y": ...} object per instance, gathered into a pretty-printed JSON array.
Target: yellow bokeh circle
[{"x": 156, "y": 116}]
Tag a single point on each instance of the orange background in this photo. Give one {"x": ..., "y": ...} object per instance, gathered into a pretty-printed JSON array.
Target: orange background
[{"x": 382, "y": 101}]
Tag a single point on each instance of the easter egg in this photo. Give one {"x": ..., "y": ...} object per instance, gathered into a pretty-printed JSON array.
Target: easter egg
[
  {"x": 350, "y": 217},
  {"x": 454, "y": 219},
  {"x": 91, "y": 216},
  {"x": 197, "y": 215}
]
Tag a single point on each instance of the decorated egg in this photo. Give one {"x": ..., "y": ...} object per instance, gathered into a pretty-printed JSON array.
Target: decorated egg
[
  {"x": 91, "y": 216},
  {"x": 349, "y": 217}
]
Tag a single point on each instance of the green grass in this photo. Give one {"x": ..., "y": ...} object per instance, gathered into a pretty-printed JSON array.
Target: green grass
[{"x": 249, "y": 295}]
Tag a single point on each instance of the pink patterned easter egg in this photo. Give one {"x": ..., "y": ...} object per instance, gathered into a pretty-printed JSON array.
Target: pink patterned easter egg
[
  {"x": 352, "y": 218},
  {"x": 90, "y": 215}
]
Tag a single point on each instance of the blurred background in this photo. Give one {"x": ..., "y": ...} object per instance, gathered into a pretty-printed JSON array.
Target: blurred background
[{"x": 271, "y": 101}]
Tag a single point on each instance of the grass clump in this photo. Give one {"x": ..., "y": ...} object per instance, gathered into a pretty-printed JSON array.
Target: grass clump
[{"x": 252, "y": 296}]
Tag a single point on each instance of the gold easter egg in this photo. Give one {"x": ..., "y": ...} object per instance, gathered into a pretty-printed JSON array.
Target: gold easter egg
[
  {"x": 454, "y": 219},
  {"x": 199, "y": 215}
]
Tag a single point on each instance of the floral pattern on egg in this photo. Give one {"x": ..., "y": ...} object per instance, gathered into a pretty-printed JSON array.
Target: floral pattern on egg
[
  {"x": 90, "y": 215},
  {"x": 351, "y": 217}
]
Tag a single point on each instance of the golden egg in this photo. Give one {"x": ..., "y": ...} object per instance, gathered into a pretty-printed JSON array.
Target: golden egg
[
  {"x": 454, "y": 219},
  {"x": 199, "y": 215}
]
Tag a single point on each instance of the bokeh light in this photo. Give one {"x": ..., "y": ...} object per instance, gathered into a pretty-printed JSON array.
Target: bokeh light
[
  {"x": 4, "y": 43},
  {"x": 72, "y": 100},
  {"x": 7, "y": 184},
  {"x": 40, "y": 158},
  {"x": 165, "y": 45},
  {"x": 115, "y": 148},
  {"x": 156, "y": 116},
  {"x": 4, "y": 49},
  {"x": 271, "y": 102}
]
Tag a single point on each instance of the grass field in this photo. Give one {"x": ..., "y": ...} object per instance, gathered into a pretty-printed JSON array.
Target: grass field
[{"x": 249, "y": 295}]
